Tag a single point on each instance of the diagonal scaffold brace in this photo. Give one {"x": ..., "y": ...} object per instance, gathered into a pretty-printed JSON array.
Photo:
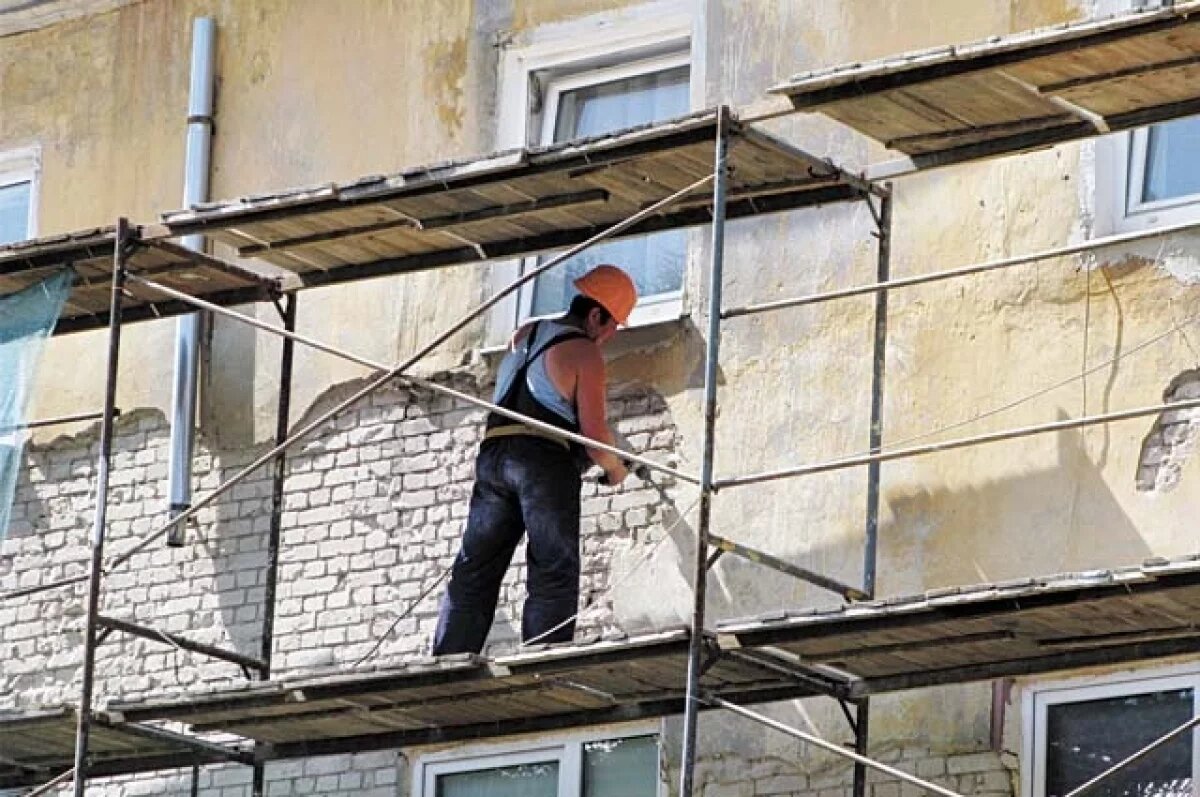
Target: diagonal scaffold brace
[{"x": 375, "y": 384}]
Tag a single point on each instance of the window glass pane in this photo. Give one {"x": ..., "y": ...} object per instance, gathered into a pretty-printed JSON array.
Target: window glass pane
[
  {"x": 1086, "y": 738},
  {"x": 621, "y": 767},
  {"x": 1172, "y": 160},
  {"x": 604, "y": 107},
  {"x": 14, "y": 212},
  {"x": 522, "y": 780},
  {"x": 655, "y": 261}
]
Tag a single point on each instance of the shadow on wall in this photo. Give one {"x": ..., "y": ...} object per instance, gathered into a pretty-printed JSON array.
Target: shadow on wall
[
  {"x": 227, "y": 391},
  {"x": 1055, "y": 519},
  {"x": 1059, "y": 518},
  {"x": 236, "y": 544}
]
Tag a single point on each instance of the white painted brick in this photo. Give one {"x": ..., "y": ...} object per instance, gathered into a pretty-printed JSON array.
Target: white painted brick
[
  {"x": 975, "y": 762},
  {"x": 362, "y": 534}
]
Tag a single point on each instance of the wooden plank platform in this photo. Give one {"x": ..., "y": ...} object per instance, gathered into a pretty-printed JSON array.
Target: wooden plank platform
[
  {"x": 89, "y": 253},
  {"x": 1022, "y": 91},
  {"x": 503, "y": 205},
  {"x": 37, "y": 746},
  {"x": 1006, "y": 629},
  {"x": 462, "y": 697},
  {"x": 954, "y": 635},
  {"x": 515, "y": 203}
]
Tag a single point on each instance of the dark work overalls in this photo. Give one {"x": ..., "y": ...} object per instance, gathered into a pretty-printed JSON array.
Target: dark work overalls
[{"x": 524, "y": 483}]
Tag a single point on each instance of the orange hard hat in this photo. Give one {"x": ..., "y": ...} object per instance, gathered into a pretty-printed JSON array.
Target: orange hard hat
[{"x": 612, "y": 288}]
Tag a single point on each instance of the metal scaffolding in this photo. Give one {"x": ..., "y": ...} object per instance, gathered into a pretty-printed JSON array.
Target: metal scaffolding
[{"x": 131, "y": 282}]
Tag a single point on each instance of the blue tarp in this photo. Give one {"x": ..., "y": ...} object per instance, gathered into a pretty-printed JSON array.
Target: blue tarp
[{"x": 26, "y": 320}]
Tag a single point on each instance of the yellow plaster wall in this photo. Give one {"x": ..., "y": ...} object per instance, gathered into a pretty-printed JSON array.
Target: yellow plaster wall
[
  {"x": 795, "y": 384},
  {"x": 307, "y": 92},
  {"x": 314, "y": 91}
]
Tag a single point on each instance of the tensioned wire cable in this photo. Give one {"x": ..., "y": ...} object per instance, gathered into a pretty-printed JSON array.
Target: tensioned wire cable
[
  {"x": 645, "y": 557},
  {"x": 1176, "y": 327}
]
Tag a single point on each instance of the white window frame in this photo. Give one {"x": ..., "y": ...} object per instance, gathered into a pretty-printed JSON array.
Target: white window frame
[
  {"x": 1121, "y": 167},
  {"x": 23, "y": 166},
  {"x": 556, "y": 58},
  {"x": 1038, "y": 699},
  {"x": 566, "y": 750}
]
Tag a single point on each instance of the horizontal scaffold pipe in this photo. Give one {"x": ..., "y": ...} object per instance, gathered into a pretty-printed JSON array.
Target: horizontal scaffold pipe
[
  {"x": 978, "y": 268},
  {"x": 1137, "y": 756},
  {"x": 549, "y": 429},
  {"x": 775, "y": 563},
  {"x": 199, "y": 747},
  {"x": 367, "y": 390},
  {"x": 836, "y": 749},
  {"x": 61, "y": 419},
  {"x": 961, "y": 442},
  {"x": 46, "y": 787},
  {"x": 181, "y": 642}
]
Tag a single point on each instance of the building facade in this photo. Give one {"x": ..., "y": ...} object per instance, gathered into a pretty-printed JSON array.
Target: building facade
[{"x": 93, "y": 100}]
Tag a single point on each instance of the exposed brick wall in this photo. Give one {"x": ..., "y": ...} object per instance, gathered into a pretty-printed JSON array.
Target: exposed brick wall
[
  {"x": 373, "y": 509},
  {"x": 1171, "y": 440},
  {"x": 985, "y": 774},
  {"x": 374, "y": 506}
]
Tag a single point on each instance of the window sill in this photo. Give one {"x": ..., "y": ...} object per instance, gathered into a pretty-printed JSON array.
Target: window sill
[{"x": 1185, "y": 212}]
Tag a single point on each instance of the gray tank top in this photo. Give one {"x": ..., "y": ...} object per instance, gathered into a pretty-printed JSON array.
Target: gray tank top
[{"x": 537, "y": 380}]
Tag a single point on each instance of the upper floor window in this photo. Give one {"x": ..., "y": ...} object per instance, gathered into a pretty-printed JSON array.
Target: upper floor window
[
  {"x": 593, "y": 103},
  {"x": 1148, "y": 177},
  {"x": 590, "y": 77},
  {"x": 1164, "y": 168},
  {"x": 18, "y": 177},
  {"x": 580, "y": 767},
  {"x": 1082, "y": 730}
]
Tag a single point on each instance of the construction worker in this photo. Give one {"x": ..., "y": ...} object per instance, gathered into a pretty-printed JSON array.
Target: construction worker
[{"x": 527, "y": 481}]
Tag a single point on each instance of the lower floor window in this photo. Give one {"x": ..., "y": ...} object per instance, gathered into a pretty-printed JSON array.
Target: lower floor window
[
  {"x": 1080, "y": 732},
  {"x": 602, "y": 767}
]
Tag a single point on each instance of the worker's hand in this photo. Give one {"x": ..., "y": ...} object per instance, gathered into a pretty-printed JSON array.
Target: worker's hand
[{"x": 615, "y": 475}]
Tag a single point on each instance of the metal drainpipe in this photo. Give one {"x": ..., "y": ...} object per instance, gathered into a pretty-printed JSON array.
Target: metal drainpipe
[{"x": 188, "y": 329}]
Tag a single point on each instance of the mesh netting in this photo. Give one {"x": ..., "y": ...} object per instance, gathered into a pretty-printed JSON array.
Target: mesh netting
[{"x": 26, "y": 320}]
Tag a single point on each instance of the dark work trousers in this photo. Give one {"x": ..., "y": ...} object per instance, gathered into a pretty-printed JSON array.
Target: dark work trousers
[{"x": 523, "y": 484}]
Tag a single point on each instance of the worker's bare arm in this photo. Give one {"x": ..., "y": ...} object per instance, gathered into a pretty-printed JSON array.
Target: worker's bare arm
[{"x": 591, "y": 401}]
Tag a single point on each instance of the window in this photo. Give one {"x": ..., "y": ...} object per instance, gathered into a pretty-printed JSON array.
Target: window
[
  {"x": 1080, "y": 731},
  {"x": 18, "y": 178},
  {"x": 587, "y": 78},
  {"x": 1148, "y": 177},
  {"x": 1164, "y": 167},
  {"x": 593, "y": 103},
  {"x": 581, "y": 767}
]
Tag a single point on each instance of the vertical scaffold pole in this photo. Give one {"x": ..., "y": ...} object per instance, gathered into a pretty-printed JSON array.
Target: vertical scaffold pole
[
  {"x": 282, "y": 416},
  {"x": 691, "y": 714},
  {"x": 883, "y": 270},
  {"x": 883, "y": 221},
  {"x": 103, "y": 463}
]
